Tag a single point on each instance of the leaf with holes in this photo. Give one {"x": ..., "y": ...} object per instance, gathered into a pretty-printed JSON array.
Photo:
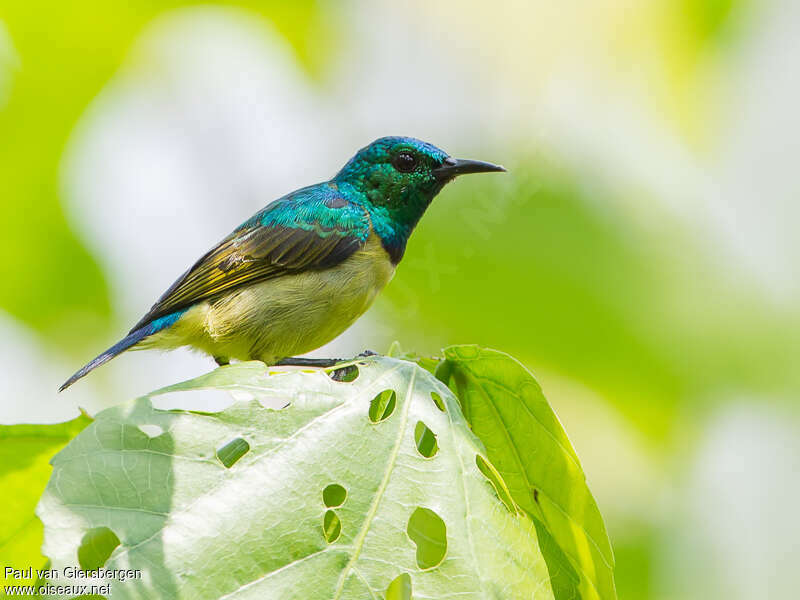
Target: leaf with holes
[
  {"x": 365, "y": 486},
  {"x": 526, "y": 444},
  {"x": 25, "y": 451}
]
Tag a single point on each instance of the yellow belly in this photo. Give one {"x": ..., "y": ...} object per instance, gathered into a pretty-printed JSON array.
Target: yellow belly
[{"x": 286, "y": 316}]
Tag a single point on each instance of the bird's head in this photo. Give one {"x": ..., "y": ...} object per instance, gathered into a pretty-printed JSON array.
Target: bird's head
[
  {"x": 402, "y": 175},
  {"x": 397, "y": 177}
]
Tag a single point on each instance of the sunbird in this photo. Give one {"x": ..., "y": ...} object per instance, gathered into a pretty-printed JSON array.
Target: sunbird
[{"x": 304, "y": 268}]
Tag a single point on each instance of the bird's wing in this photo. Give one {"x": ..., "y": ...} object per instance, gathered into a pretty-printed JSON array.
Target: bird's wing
[{"x": 314, "y": 231}]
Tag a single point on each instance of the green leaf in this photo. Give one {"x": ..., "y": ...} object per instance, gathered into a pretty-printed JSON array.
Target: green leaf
[
  {"x": 96, "y": 546},
  {"x": 325, "y": 503},
  {"x": 426, "y": 440},
  {"x": 233, "y": 451},
  {"x": 429, "y": 533},
  {"x": 400, "y": 588},
  {"x": 526, "y": 444},
  {"x": 334, "y": 495},
  {"x": 25, "y": 452}
]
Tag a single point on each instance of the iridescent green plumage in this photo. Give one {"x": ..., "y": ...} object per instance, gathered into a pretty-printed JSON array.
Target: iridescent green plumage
[{"x": 301, "y": 270}]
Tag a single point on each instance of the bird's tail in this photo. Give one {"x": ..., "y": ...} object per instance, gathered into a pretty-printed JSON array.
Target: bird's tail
[{"x": 133, "y": 338}]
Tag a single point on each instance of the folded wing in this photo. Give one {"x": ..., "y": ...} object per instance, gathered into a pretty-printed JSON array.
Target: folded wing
[{"x": 289, "y": 236}]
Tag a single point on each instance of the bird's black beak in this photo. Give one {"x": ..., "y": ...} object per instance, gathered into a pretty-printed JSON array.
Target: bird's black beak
[{"x": 452, "y": 167}]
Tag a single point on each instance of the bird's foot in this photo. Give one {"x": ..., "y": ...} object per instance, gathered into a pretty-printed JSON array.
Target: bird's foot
[
  {"x": 294, "y": 361},
  {"x": 346, "y": 373},
  {"x": 323, "y": 363}
]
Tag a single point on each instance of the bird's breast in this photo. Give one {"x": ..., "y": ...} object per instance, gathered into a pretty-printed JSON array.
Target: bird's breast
[
  {"x": 344, "y": 292},
  {"x": 294, "y": 314}
]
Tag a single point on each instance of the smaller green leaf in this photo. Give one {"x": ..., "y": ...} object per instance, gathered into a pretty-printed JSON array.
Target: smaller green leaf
[
  {"x": 96, "y": 546},
  {"x": 331, "y": 526},
  {"x": 334, "y": 495},
  {"x": 427, "y": 530},
  {"x": 382, "y": 406},
  {"x": 233, "y": 451},
  {"x": 425, "y": 440},
  {"x": 437, "y": 400},
  {"x": 400, "y": 588},
  {"x": 505, "y": 407}
]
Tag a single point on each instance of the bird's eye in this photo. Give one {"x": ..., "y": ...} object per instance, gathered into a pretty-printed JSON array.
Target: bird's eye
[{"x": 405, "y": 162}]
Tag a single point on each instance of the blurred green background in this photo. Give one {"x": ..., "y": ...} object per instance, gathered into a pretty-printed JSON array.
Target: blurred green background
[{"x": 640, "y": 256}]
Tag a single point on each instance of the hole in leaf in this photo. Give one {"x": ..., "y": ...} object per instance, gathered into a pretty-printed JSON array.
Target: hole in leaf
[
  {"x": 427, "y": 530},
  {"x": 334, "y": 495},
  {"x": 331, "y": 526},
  {"x": 426, "y": 440},
  {"x": 382, "y": 406},
  {"x": 233, "y": 451},
  {"x": 151, "y": 431},
  {"x": 242, "y": 396},
  {"x": 437, "y": 400},
  {"x": 496, "y": 480},
  {"x": 96, "y": 546},
  {"x": 400, "y": 588},
  {"x": 345, "y": 374}
]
